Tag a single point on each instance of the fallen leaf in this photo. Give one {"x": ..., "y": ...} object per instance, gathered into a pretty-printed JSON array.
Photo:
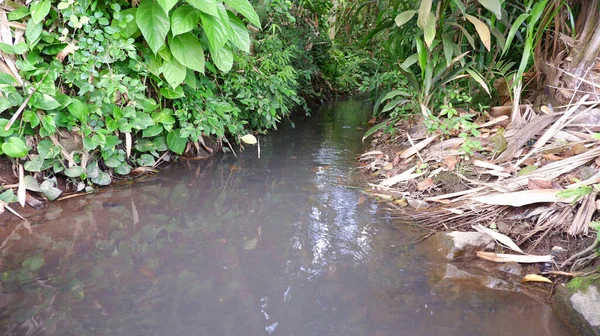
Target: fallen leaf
[
  {"x": 499, "y": 237},
  {"x": 388, "y": 166},
  {"x": 425, "y": 184},
  {"x": 128, "y": 144},
  {"x": 578, "y": 149},
  {"x": 450, "y": 161},
  {"x": 249, "y": 139},
  {"x": 404, "y": 176},
  {"x": 523, "y": 259},
  {"x": 361, "y": 200},
  {"x": 22, "y": 191},
  {"x": 251, "y": 244},
  {"x": 534, "y": 184},
  {"x": 536, "y": 278},
  {"x": 69, "y": 49},
  {"x": 551, "y": 157},
  {"x": 530, "y": 161},
  {"x": 520, "y": 198},
  {"x": 417, "y": 147}
]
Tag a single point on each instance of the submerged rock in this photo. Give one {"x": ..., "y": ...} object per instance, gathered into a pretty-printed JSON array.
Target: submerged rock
[
  {"x": 455, "y": 245},
  {"x": 452, "y": 275},
  {"x": 579, "y": 304}
]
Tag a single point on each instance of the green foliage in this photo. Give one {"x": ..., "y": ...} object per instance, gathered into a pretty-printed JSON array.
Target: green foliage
[{"x": 130, "y": 83}]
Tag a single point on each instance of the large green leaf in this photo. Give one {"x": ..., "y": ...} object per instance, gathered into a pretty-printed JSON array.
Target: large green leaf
[
  {"x": 222, "y": 58},
  {"x": 45, "y": 102},
  {"x": 240, "y": 37},
  {"x": 154, "y": 23},
  {"x": 174, "y": 72},
  {"x": 33, "y": 31},
  {"x": 15, "y": 147},
  {"x": 39, "y": 10},
  {"x": 167, "y": 5},
  {"x": 493, "y": 6},
  {"x": 216, "y": 31},
  {"x": 78, "y": 109},
  {"x": 184, "y": 19},
  {"x": 429, "y": 30},
  {"x": 207, "y": 6},
  {"x": 175, "y": 142},
  {"x": 245, "y": 8},
  {"x": 188, "y": 51}
]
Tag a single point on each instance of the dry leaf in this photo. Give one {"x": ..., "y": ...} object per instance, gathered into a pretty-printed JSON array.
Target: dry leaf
[
  {"x": 523, "y": 259},
  {"x": 450, "y": 161},
  {"x": 417, "y": 204},
  {"x": 534, "y": 184},
  {"x": 388, "y": 166},
  {"x": 361, "y": 200},
  {"x": 128, "y": 144},
  {"x": 134, "y": 213},
  {"x": 425, "y": 184},
  {"x": 414, "y": 149},
  {"x": 21, "y": 192},
  {"x": 536, "y": 278},
  {"x": 404, "y": 176},
  {"x": 520, "y": 198},
  {"x": 249, "y": 139},
  {"x": 529, "y": 162},
  {"x": 499, "y": 237},
  {"x": 69, "y": 49}
]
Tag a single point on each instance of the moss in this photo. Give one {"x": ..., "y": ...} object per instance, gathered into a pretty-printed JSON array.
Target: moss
[{"x": 580, "y": 283}]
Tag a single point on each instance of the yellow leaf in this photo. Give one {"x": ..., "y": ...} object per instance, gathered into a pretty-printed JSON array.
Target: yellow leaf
[
  {"x": 249, "y": 139},
  {"x": 536, "y": 278},
  {"x": 482, "y": 30}
]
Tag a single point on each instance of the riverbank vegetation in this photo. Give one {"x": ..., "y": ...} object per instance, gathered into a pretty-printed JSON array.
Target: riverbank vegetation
[{"x": 492, "y": 119}]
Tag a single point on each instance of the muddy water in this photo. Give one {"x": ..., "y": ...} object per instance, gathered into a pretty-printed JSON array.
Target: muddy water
[{"x": 281, "y": 245}]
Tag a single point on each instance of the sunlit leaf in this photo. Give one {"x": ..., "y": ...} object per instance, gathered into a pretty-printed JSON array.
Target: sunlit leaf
[
  {"x": 482, "y": 30},
  {"x": 404, "y": 17},
  {"x": 249, "y": 139},
  {"x": 535, "y": 278},
  {"x": 245, "y": 8},
  {"x": 424, "y": 11},
  {"x": 429, "y": 30},
  {"x": 493, "y": 6},
  {"x": 154, "y": 23},
  {"x": 477, "y": 77}
]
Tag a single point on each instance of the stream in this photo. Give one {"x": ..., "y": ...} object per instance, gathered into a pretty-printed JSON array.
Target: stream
[{"x": 277, "y": 245}]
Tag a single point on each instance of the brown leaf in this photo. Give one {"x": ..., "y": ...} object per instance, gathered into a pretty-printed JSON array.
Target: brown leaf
[
  {"x": 33, "y": 202},
  {"x": 597, "y": 161},
  {"x": 388, "y": 166},
  {"x": 361, "y": 200},
  {"x": 529, "y": 162},
  {"x": 450, "y": 161},
  {"x": 69, "y": 49},
  {"x": 396, "y": 160},
  {"x": 552, "y": 157},
  {"x": 425, "y": 184},
  {"x": 534, "y": 184}
]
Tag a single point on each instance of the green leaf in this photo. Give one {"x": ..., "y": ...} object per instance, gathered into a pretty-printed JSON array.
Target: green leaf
[
  {"x": 245, "y": 8},
  {"x": 15, "y": 147},
  {"x": 146, "y": 160},
  {"x": 188, "y": 51},
  {"x": 39, "y": 10},
  {"x": 78, "y": 109},
  {"x": 75, "y": 171},
  {"x": 184, "y": 19},
  {"x": 103, "y": 179},
  {"x": 49, "y": 190},
  {"x": 45, "y": 102},
  {"x": 207, "y": 6},
  {"x": 154, "y": 23},
  {"x": 479, "y": 79},
  {"x": 7, "y": 79},
  {"x": 18, "y": 49},
  {"x": 216, "y": 31},
  {"x": 8, "y": 196},
  {"x": 513, "y": 30},
  {"x": 174, "y": 72},
  {"x": 175, "y": 142},
  {"x": 131, "y": 28},
  {"x": 493, "y": 6},
  {"x": 404, "y": 17},
  {"x": 240, "y": 37},
  {"x": 167, "y": 5},
  {"x": 35, "y": 164},
  {"x": 18, "y": 13},
  {"x": 33, "y": 31},
  {"x": 164, "y": 117},
  {"x": 429, "y": 30},
  {"x": 152, "y": 131},
  {"x": 424, "y": 11},
  {"x": 4, "y": 133},
  {"x": 33, "y": 263},
  {"x": 223, "y": 58},
  {"x": 47, "y": 150},
  {"x": 172, "y": 94}
]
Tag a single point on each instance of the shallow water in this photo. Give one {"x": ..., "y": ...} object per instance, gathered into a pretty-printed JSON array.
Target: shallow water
[{"x": 281, "y": 245}]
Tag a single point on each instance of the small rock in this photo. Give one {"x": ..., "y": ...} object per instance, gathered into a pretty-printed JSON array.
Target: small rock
[
  {"x": 458, "y": 276},
  {"x": 456, "y": 245}
]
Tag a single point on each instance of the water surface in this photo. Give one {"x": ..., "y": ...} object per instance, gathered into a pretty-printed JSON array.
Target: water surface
[{"x": 281, "y": 245}]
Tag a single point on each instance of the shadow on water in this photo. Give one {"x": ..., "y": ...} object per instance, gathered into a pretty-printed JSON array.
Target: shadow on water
[{"x": 273, "y": 246}]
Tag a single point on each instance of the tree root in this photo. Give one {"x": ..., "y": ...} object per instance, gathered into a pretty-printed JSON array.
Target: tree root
[{"x": 577, "y": 255}]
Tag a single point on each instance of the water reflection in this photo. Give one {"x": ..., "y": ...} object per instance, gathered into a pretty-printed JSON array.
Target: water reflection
[{"x": 272, "y": 246}]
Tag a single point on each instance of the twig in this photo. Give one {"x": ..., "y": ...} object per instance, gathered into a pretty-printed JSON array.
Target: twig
[
  {"x": 414, "y": 147},
  {"x": 581, "y": 253}
]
